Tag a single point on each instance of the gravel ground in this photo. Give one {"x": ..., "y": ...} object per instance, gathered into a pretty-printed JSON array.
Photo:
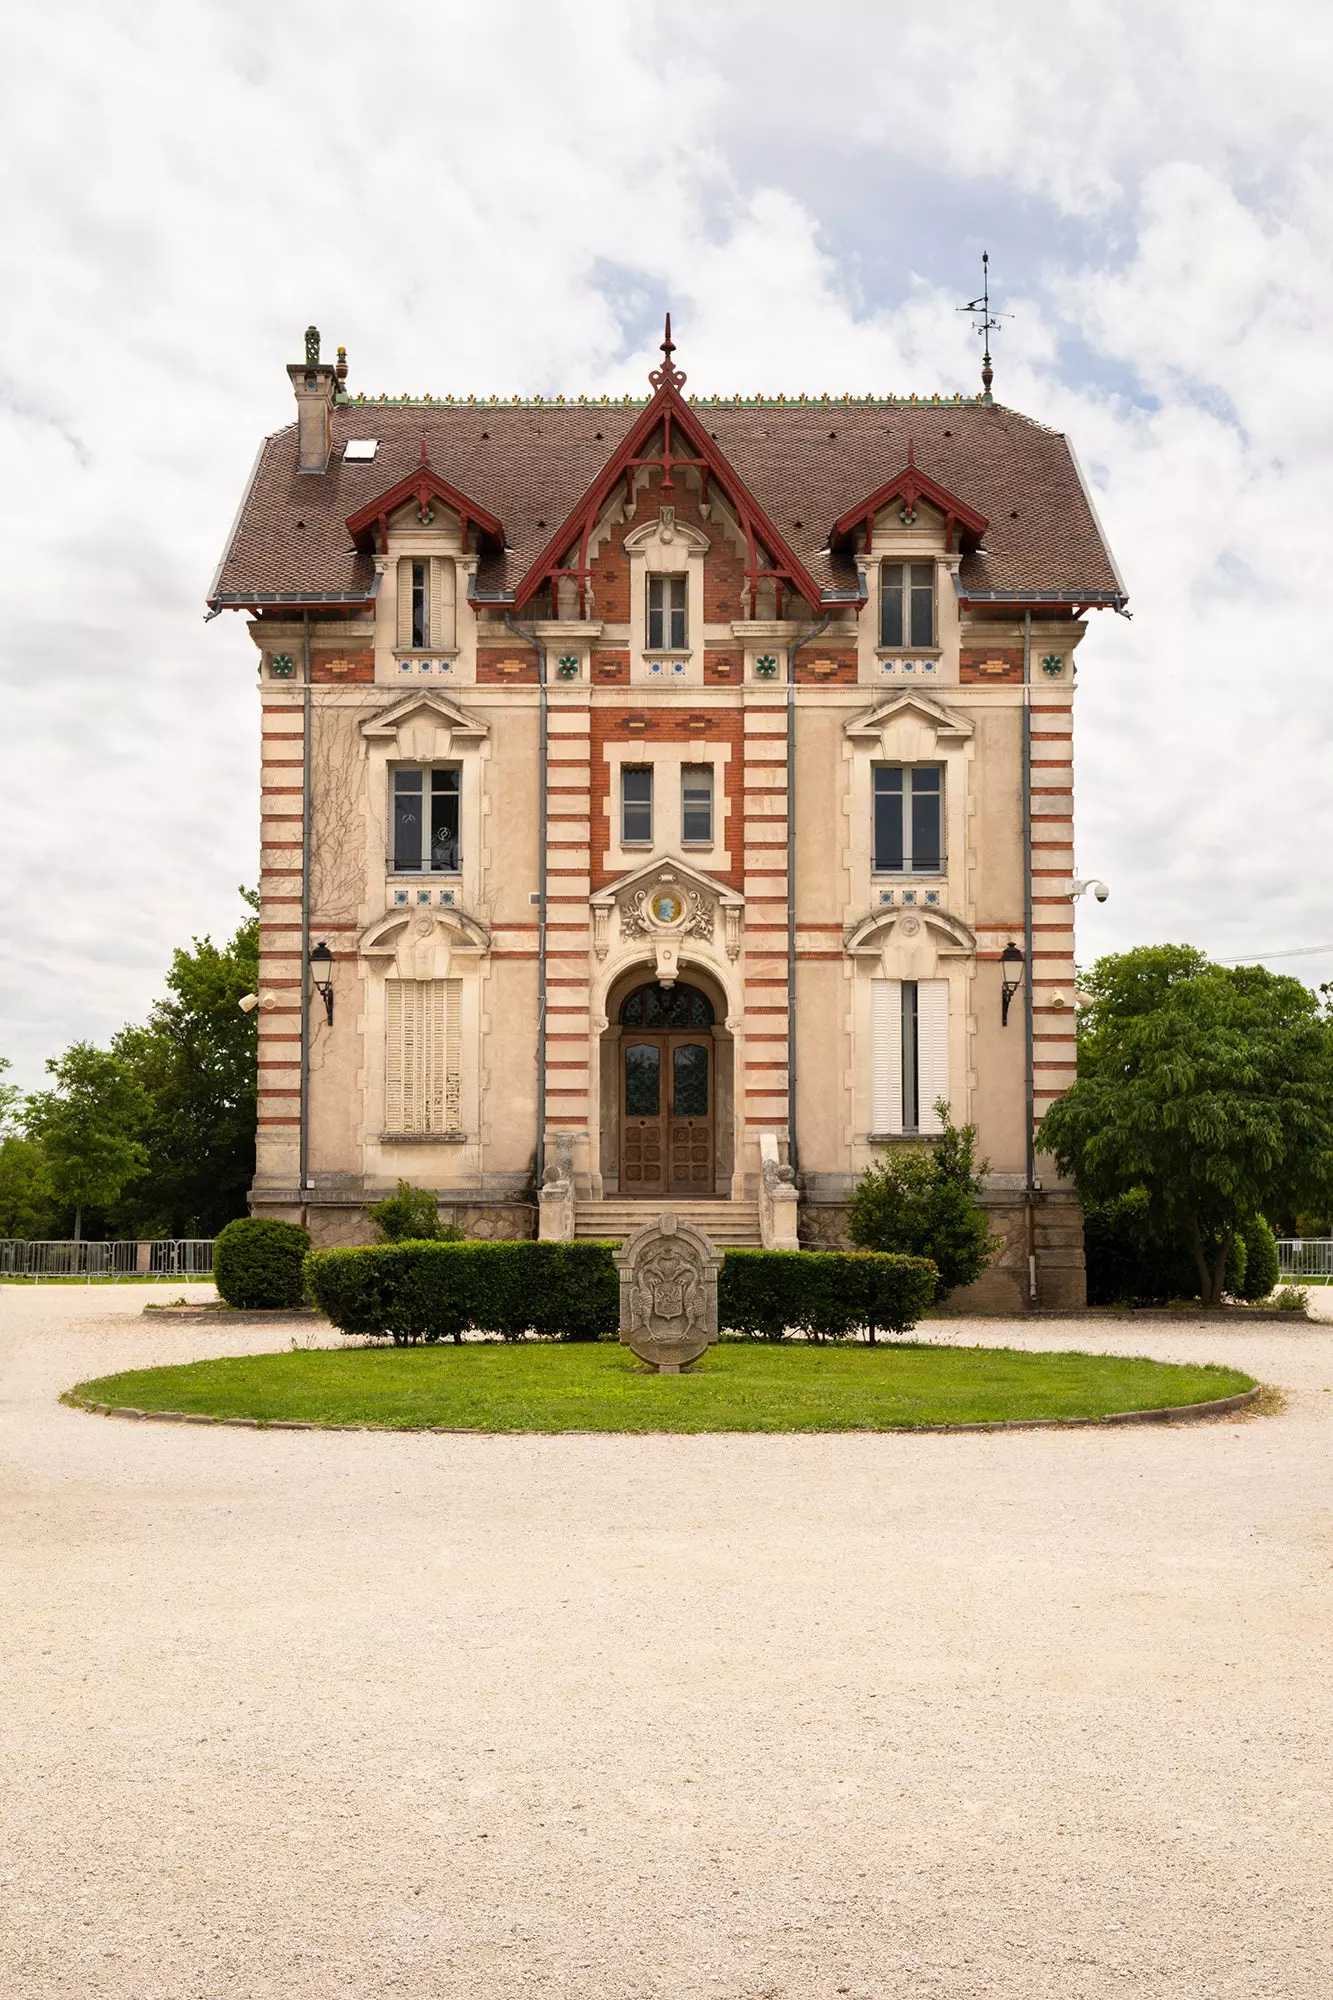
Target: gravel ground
[{"x": 310, "y": 1716}]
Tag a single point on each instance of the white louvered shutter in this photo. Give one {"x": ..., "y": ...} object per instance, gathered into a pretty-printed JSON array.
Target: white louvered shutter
[
  {"x": 886, "y": 1040},
  {"x": 399, "y": 1009},
  {"x": 442, "y": 576},
  {"x": 431, "y": 1097},
  {"x": 404, "y": 601},
  {"x": 932, "y": 1047},
  {"x": 453, "y": 1054}
]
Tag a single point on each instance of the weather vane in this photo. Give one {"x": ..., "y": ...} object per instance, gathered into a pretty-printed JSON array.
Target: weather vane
[{"x": 990, "y": 323}]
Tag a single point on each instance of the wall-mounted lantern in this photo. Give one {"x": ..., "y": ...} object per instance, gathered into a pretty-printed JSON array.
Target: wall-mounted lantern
[
  {"x": 321, "y": 970},
  {"x": 1011, "y": 971}
]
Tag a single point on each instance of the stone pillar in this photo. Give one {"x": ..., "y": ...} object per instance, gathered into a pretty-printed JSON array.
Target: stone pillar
[
  {"x": 571, "y": 1075},
  {"x": 762, "y": 1084}
]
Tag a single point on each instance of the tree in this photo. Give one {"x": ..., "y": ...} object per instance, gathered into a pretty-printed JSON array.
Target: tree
[
  {"x": 924, "y": 1203},
  {"x": 89, "y": 1127},
  {"x": 1208, "y": 1086},
  {"x": 196, "y": 1061},
  {"x": 27, "y": 1199}
]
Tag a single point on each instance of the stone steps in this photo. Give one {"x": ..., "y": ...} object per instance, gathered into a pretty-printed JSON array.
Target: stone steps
[{"x": 732, "y": 1225}]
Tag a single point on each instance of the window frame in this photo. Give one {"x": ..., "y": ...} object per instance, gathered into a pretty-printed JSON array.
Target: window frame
[
  {"x": 425, "y": 864},
  {"x": 697, "y": 771},
  {"x": 669, "y": 583},
  {"x": 909, "y": 865},
  {"x": 906, "y": 594},
  {"x": 628, "y": 839}
]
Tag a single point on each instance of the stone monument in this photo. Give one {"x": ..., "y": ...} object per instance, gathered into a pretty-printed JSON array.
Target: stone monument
[{"x": 668, "y": 1293}]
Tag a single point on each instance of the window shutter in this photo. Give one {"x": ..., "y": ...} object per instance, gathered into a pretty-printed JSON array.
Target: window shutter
[
  {"x": 453, "y": 1053},
  {"x": 431, "y": 995},
  {"x": 442, "y": 576},
  {"x": 886, "y": 1036},
  {"x": 399, "y": 1009},
  {"x": 932, "y": 1040},
  {"x": 404, "y": 601}
]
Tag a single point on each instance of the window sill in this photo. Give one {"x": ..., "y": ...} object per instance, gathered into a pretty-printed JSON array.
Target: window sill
[
  {"x": 887, "y": 878},
  {"x": 426, "y": 652},
  {"x": 700, "y": 846},
  {"x": 423, "y": 1138},
  {"x": 404, "y": 877},
  {"x": 667, "y": 653},
  {"x": 914, "y": 1137},
  {"x": 909, "y": 652}
]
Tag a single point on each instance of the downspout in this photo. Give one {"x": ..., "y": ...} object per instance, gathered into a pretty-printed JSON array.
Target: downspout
[
  {"x": 1028, "y": 1048},
  {"x": 305, "y": 917},
  {"x": 531, "y": 639},
  {"x": 792, "y": 651}
]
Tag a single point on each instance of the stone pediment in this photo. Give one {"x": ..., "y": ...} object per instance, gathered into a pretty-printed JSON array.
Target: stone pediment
[
  {"x": 666, "y": 530},
  {"x": 421, "y": 943},
  {"x": 664, "y": 902},
  {"x": 914, "y": 711},
  {"x": 424, "y": 727},
  {"x": 949, "y": 935}
]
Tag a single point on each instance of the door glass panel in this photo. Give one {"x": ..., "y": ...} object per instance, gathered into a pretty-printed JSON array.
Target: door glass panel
[
  {"x": 643, "y": 1072},
  {"x": 689, "y": 1081}
]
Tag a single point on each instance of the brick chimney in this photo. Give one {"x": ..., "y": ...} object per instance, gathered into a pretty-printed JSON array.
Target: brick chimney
[{"x": 316, "y": 385}]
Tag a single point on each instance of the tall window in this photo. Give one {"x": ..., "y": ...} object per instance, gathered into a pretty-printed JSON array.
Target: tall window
[
  {"x": 636, "y": 805},
  {"x": 426, "y": 802},
  {"x": 666, "y": 614},
  {"x": 422, "y": 1043},
  {"x": 907, "y": 604},
  {"x": 696, "y": 804},
  {"x": 420, "y": 604},
  {"x": 909, "y": 819},
  {"x": 910, "y": 1054}
]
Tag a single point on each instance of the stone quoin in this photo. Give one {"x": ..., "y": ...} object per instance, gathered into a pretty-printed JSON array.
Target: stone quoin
[{"x": 667, "y": 778}]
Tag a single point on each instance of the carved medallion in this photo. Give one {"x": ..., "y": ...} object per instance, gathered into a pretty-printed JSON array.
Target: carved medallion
[{"x": 668, "y": 1293}]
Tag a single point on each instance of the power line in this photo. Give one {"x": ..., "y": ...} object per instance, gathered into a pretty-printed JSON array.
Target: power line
[{"x": 1297, "y": 951}]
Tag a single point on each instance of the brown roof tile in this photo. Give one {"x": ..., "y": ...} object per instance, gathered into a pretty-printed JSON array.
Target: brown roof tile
[{"x": 806, "y": 464}]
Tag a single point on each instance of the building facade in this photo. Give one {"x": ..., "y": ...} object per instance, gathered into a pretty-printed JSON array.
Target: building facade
[{"x": 664, "y": 800}]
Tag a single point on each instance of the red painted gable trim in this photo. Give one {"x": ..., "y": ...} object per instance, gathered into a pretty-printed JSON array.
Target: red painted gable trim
[
  {"x": 423, "y": 484},
  {"x": 910, "y": 485},
  {"x": 667, "y": 405}
]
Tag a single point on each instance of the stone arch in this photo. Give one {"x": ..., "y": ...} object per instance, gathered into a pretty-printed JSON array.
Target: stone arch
[{"x": 616, "y": 986}]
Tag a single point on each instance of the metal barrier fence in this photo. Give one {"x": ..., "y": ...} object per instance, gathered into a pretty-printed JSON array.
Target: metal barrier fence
[
  {"x": 162, "y": 1257},
  {"x": 1305, "y": 1256}
]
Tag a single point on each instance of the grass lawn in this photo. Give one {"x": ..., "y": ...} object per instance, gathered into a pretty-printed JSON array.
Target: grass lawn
[{"x": 738, "y": 1386}]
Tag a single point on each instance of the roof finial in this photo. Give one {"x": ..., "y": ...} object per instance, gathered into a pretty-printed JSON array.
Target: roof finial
[
  {"x": 311, "y": 346},
  {"x": 990, "y": 323},
  {"x": 668, "y": 376}
]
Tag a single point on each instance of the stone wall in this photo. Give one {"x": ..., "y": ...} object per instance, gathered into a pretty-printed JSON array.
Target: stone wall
[{"x": 1058, "y": 1234}]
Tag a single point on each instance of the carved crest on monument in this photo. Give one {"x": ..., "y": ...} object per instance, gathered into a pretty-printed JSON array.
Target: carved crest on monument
[{"x": 668, "y": 1292}]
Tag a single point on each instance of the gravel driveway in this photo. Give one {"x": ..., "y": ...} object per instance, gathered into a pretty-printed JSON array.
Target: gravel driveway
[{"x": 310, "y": 1716}]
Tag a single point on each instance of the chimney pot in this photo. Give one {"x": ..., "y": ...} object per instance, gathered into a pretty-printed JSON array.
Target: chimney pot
[{"x": 315, "y": 383}]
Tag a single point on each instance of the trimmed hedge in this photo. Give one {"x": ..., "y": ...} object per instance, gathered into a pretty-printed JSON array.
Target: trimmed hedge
[
  {"x": 258, "y": 1263},
  {"x": 571, "y": 1291},
  {"x": 824, "y": 1294},
  {"x": 440, "y": 1291}
]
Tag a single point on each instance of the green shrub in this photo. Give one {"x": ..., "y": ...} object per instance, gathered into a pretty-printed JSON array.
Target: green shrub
[
  {"x": 571, "y": 1291},
  {"x": 258, "y": 1263},
  {"x": 922, "y": 1201},
  {"x": 440, "y": 1291},
  {"x": 412, "y": 1215},
  {"x": 1260, "y": 1273},
  {"x": 1132, "y": 1260},
  {"x": 1292, "y": 1299},
  {"x": 824, "y": 1294}
]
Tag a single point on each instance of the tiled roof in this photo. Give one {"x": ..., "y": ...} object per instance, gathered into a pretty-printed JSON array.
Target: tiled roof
[{"x": 805, "y": 463}]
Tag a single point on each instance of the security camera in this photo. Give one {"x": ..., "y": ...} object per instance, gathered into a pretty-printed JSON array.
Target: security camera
[
  {"x": 1099, "y": 889},
  {"x": 248, "y": 1002}
]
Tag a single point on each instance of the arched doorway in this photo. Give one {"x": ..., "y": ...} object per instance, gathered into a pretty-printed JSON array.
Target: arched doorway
[{"x": 666, "y": 1084}]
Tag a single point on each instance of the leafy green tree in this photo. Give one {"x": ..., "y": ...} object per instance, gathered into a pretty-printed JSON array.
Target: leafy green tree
[
  {"x": 1210, "y": 1087},
  {"x": 89, "y": 1127},
  {"x": 27, "y": 1199},
  {"x": 923, "y": 1202},
  {"x": 11, "y": 1098},
  {"x": 196, "y": 1061}
]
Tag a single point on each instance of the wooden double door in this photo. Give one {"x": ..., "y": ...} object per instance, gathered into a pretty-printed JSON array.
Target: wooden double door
[{"x": 666, "y": 1114}]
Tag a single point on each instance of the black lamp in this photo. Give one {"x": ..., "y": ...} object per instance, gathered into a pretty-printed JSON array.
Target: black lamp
[
  {"x": 321, "y": 967},
  {"x": 1011, "y": 969}
]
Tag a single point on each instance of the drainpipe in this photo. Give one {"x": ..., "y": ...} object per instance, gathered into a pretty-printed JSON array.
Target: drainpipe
[
  {"x": 531, "y": 639},
  {"x": 305, "y": 919},
  {"x": 1028, "y": 1093},
  {"x": 792, "y": 651}
]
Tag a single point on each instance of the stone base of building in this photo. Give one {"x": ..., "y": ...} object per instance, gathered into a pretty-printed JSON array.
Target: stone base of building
[
  {"x": 1005, "y": 1286},
  {"x": 338, "y": 1221}
]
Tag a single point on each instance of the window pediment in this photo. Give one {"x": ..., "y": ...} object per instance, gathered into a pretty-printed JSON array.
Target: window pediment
[
  {"x": 902, "y": 725},
  {"x": 425, "y": 728},
  {"x": 668, "y": 534},
  {"x": 421, "y": 944}
]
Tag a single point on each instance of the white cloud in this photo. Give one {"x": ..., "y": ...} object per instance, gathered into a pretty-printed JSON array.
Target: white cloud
[{"x": 464, "y": 195}]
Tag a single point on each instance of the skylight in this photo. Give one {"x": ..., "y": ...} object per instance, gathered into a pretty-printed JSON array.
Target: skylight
[{"x": 360, "y": 448}]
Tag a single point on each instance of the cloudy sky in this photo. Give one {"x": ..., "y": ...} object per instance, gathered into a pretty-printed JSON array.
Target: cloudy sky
[{"x": 503, "y": 198}]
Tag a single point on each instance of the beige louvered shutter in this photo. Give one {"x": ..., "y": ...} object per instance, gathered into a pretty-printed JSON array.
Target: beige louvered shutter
[
  {"x": 405, "y": 601},
  {"x": 432, "y": 999},
  {"x": 932, "y": 1049},
  {"x": 886, "y": 1040},
  {"x": 396, "y": 1008},
  {"x": 442, "y": 576},
  {"x": 453, "y": 1055}
]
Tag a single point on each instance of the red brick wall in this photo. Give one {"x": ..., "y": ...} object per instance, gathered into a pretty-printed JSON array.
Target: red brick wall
[
  {"x": 513, "y": 671},
  {"x": 341, "y": 666},
  {"x": 826, "y": 667},
  {"x": 724, "y": 569},
  {"x": 669, "y": 725},
  {"x": 990, "y": 663},
  {"x": 610, "y": 666},
  {"x": 723, "y": 666}
]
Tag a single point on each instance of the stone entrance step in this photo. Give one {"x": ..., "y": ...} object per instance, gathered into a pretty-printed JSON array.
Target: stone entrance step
[{"x": 733, "y": 1225}]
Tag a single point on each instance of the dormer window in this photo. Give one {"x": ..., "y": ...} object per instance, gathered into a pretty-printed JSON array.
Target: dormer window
[
  {"x": 907, "y": 604},
  {"x": 667, "y": 630}
]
